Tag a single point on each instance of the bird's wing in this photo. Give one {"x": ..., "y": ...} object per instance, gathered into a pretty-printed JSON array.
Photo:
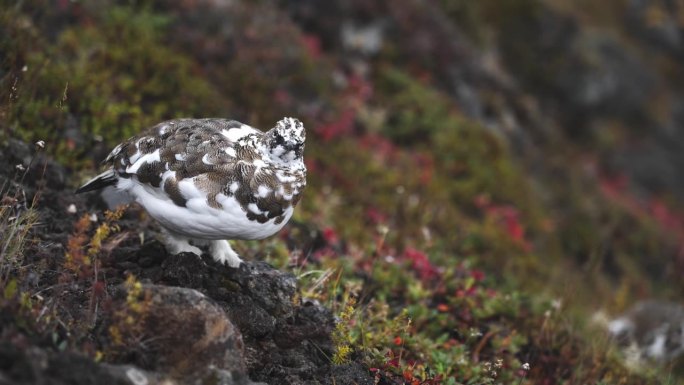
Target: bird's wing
[
  {"x": 188, "y": 147},
  {"x": 174, "y": 151}
]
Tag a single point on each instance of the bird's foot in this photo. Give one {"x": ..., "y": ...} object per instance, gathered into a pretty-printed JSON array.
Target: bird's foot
[
  {"x": 176, "y": 245},
  {"x": 222, "y": 252}
]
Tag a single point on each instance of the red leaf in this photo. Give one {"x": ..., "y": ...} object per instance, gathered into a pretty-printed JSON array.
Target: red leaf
[
  {"x": 421, "y": 264},
  {"x": 375, "y": 216},
  {"x": 344, "y": 125},
  {"x": 312, "y": 44},
  {"x": 478, "y": 275},
  {"x": 330, "y": 236}
]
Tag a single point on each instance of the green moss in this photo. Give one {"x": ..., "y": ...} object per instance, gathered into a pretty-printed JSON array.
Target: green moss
[
  {"x": 469, "y": 159},
  {"x": 106, "y": 79}
]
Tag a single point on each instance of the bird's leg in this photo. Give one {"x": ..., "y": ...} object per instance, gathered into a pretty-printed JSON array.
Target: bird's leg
[
  {"x": 221, "y": 251},
  {"x": 176, "y": 244}
]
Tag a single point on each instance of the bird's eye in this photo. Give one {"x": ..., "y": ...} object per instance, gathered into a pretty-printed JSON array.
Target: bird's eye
[{"x": 279, "y": 139}]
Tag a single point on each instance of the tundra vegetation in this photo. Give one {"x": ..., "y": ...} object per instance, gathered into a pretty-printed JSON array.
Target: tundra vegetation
[{"x": 471, "y": 202}]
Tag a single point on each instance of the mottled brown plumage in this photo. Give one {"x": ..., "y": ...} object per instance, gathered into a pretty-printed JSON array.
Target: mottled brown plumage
[
  {"x": 199, "y": 143},
  {"x": 195, "y": 175}
]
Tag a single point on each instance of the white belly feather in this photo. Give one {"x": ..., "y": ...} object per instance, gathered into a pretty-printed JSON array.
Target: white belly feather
[{"x": 198, "y": 219}]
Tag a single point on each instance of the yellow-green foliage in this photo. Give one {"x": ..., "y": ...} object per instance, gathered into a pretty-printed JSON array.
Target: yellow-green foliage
[
  {"x": 341, "y": 335},
  {"x": 82, "y": 248},
  {"x": 431, "y": 185},
  {"x": 109, "y": 78},
  {"x": 470, "y": 160},
  {"x": 126, "y": 327},
  {"x": 121, "y": 71},
  {"x": 11, "y": 292},
  {"x": 104, "y": 230}
]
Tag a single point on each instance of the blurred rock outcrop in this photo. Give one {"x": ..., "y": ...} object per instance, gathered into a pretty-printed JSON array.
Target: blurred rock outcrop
[{"x": 650, "y": 331}]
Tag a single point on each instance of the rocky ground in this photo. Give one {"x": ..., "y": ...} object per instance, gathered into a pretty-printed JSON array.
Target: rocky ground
[{"x": 182, "y": 319}]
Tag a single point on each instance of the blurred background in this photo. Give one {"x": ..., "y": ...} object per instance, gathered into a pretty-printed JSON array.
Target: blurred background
[{"x": 473, "y": 150}]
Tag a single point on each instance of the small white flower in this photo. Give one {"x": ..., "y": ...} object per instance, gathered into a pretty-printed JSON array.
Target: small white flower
[
  {"x": 93, "y": 217},
  {"x": 24, "y": 68},
  {"x": 40, "y": 144},
  {"x": 20, "y": 167},
  {"x": 383, "y": 230},
  {"x": 71, "y": 209},
  {"x": 525, "y": 366}
]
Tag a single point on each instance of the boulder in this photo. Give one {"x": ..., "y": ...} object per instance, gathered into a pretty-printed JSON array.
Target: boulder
[{"x": 182, "y": 332}]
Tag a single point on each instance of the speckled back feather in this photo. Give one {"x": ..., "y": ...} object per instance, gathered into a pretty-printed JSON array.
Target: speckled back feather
[{"x": 221, "y": 157}]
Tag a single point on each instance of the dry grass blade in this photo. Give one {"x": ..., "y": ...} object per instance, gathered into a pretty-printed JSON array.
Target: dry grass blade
[{"x": 15, "y": 225}]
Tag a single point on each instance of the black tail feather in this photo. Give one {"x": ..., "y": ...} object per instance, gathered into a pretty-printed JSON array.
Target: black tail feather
[{"x": 107, "y": 178}]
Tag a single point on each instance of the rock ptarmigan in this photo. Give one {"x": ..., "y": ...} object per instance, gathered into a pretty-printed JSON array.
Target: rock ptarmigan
[{"x": 210, "y": 180}]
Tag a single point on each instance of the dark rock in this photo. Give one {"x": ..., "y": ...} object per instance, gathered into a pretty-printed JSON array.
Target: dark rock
[
  {"x": 250, "y": 318},
  {"x": 349, "y": 374},
  {"x": 188, "y": 333},
  {"x": 594, "y": 79},
  {"x": 36, "y": 366},
  {"x": 253, "y": 295},
  {"x": 312, "y": 322},
  {"x": 271, "y": 289},
  {"x": 651, "y": 329},
  {"x": 667, "y": 34},
  {"x": 151, "y": 254},
  {"x": 653, "y": 163},
  {"x": 222, "y": 377},
  {"x": 287, "y": 341},
  {"x": 74, "y": 369},
  {"x": 184, "y": 269}
]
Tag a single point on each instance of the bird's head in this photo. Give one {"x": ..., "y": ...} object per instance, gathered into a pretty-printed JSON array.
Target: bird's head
[{"x": 285, "y": 142}]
